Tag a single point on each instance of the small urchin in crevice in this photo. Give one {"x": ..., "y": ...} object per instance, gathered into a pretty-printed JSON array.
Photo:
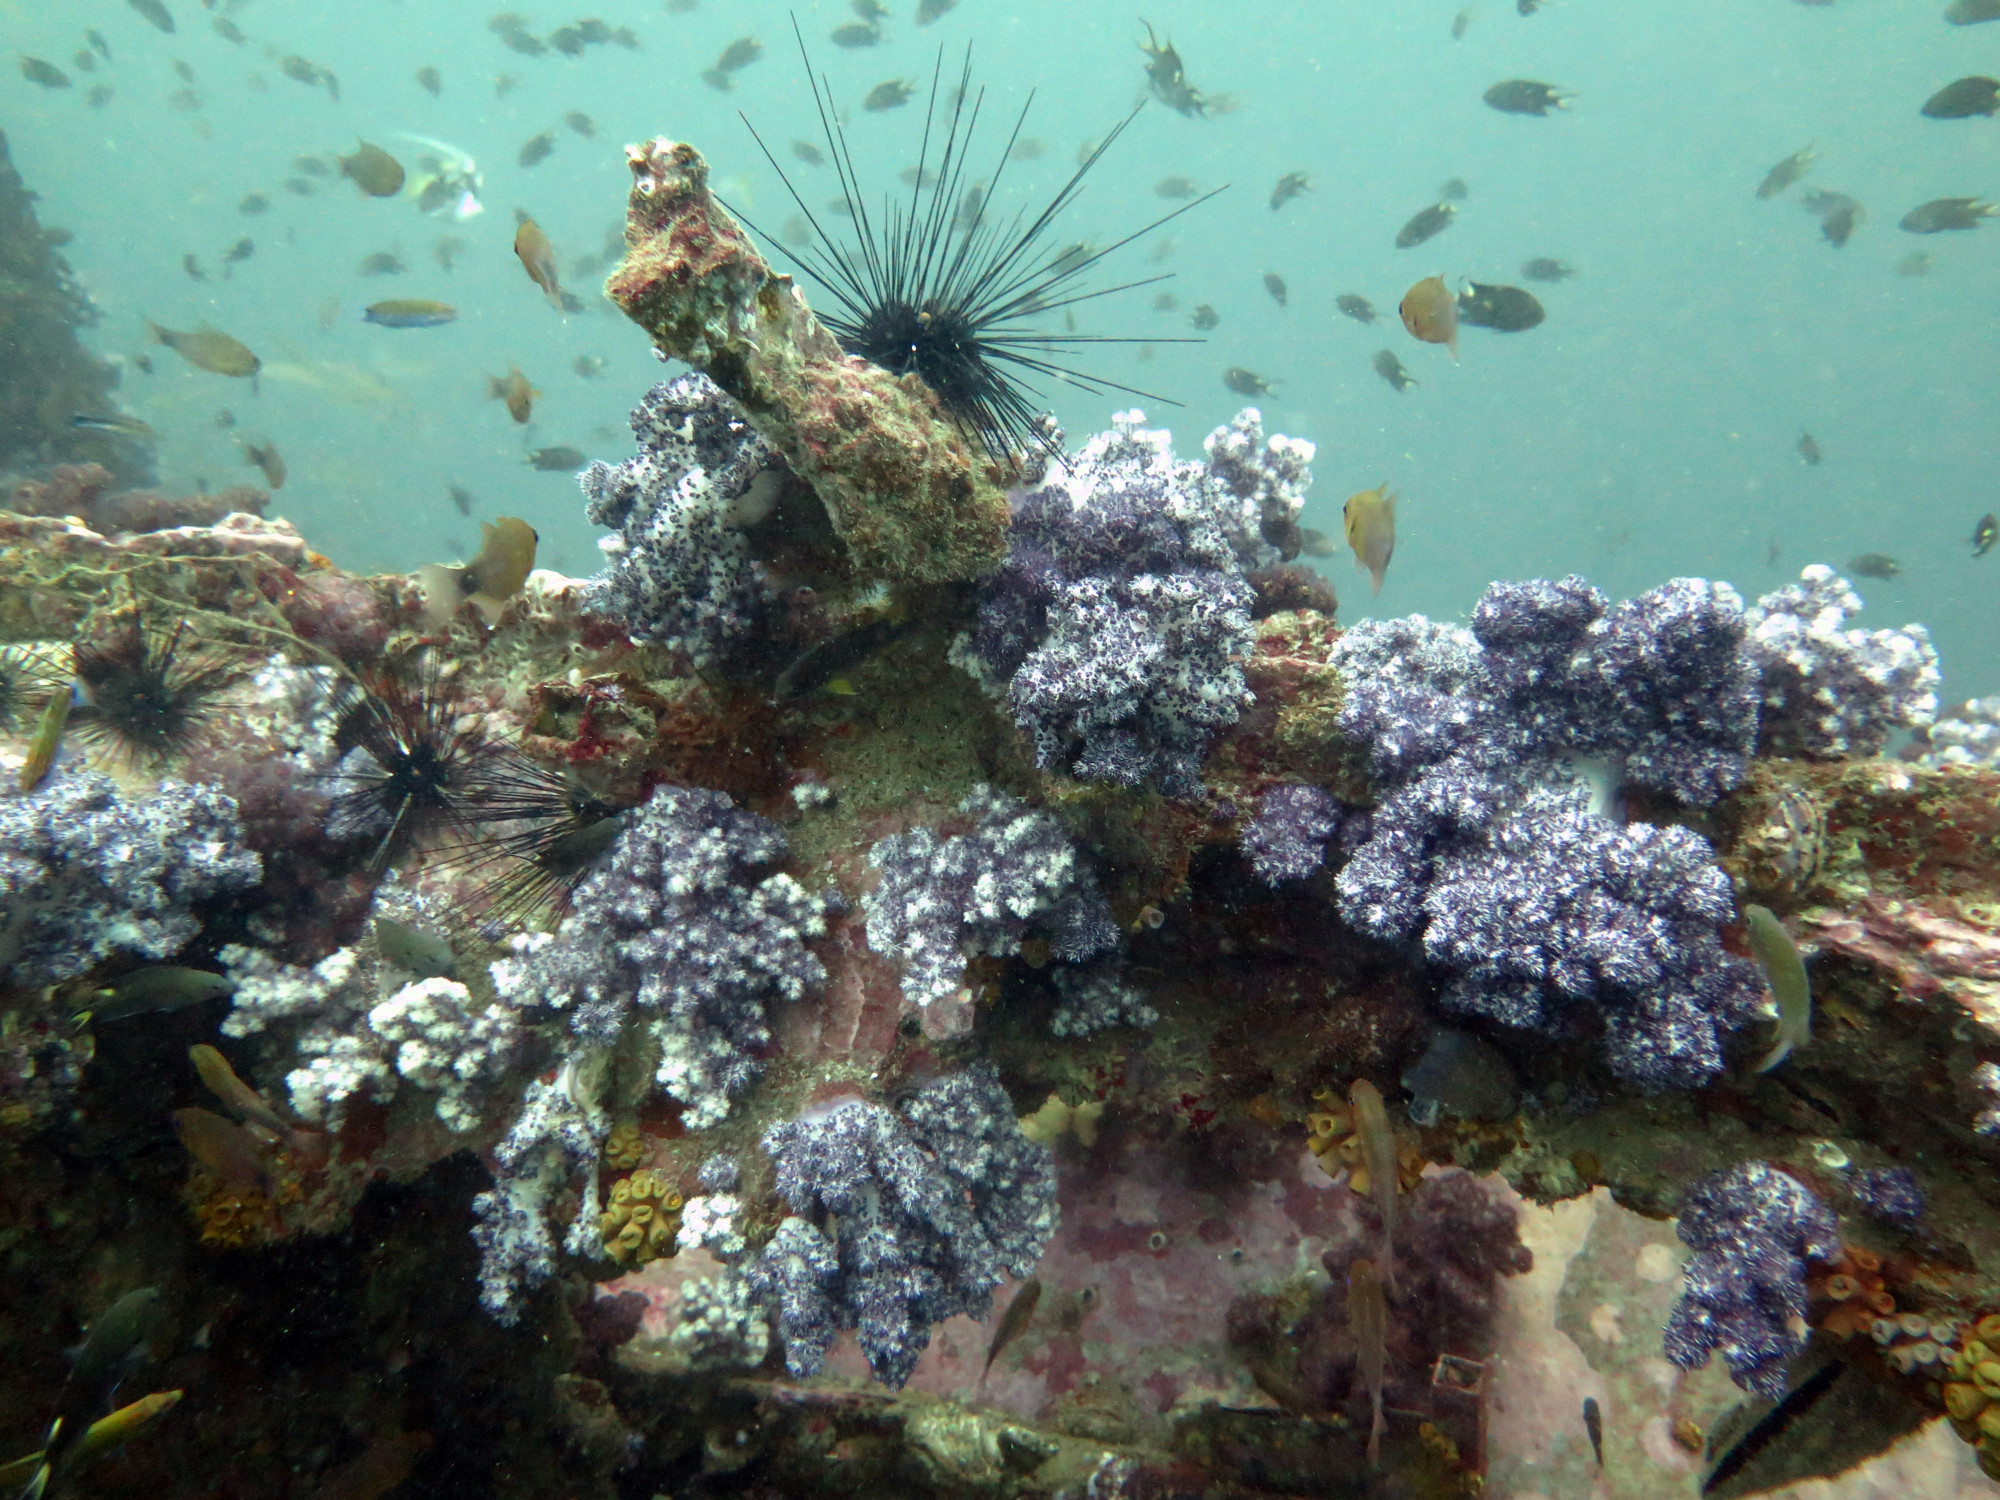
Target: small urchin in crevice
[
  {"x": 144, "y": 695},
  {"x": 940, "y": 288}
]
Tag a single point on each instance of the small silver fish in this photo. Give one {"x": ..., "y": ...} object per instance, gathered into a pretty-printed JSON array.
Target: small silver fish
[
  {"x": 1785, "y": 973},
  {"x": 1020, "y": 1312},
  {"x": 1368, "y": 1320}
]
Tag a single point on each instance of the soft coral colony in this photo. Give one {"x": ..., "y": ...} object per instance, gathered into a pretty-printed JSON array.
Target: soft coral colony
[{"x": 827, "y": 992}]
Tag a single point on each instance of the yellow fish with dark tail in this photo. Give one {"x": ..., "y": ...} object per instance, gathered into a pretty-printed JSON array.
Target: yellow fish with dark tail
[{"x": 1370, "y": 519}]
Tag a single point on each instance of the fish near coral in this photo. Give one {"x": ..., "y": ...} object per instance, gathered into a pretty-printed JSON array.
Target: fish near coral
[
  {"x": 1289, "y": 187},
  {"x": 418, "y": 954},
  {"x": 1014, "y": 1322},
  {"x": 206, "y": 349},
  {"x": 506, "y": 558},
  {"x": 513, "y": 388},
  {"x": 226, "y": 1149},
  {"x": 47, "y": 741},
  {"x": 1368, "y": 1320},
  {"x": 1369, "y": 519},
  {"x": 1785, "y": 973},
  {"x": 373, "y": 170},
  {"x": 1430, "y": 312},
  {"x": 237, "y": 1096},
  {"x": 1245, "y": 382},
  {"x": 1942, "y": 214},
  {"x": 1505, "y": 309},
  {"x": 538, "y": 259},
  {"x": 47, "y": 74},
  {"x": 1875, "y": 565},
  {"x": 1391, "y": 369},
  {"x": 1378, "y": 1155},
  {"x": 1786, "y": 172},
  {"x": 1166, "y": 76},
  {"x": 157, "y": 987},
  {"x": 1425, "y": 224},
  {"x": 408, "y": 312},
  {"x": 155, "y": 12},
  {"x": 892, "y": 94},
  {"x": 559, "y": 460}
]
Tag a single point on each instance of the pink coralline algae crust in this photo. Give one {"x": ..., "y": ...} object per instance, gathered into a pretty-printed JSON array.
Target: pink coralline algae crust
[
  {"x": 1920, "y": 951},
  {"x": 900, "y": 483}
]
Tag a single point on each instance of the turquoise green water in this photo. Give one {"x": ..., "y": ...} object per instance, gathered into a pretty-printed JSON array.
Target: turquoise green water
[{"x": 1646, "y": 429}]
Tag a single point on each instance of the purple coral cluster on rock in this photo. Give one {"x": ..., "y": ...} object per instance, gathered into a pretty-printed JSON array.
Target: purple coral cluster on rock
[
  {"x": 1559, "y": 911},
  {"x": 684, "y": 921},
  {"x": 678, "y": 571},
  {"x": 1891, "y": 1194},
  {"x": 1500, "y": 749},
  {"x": 1114, "y": 628},
  {"x": 1287, "y": 839},
  {"x": 85, "y": 872},
  {"x": 1752, "y": 1229},
  {"x": 901, "y": 1218},
  {"x": 1489, "y": 745},
  {"x": 1830, "y": 692},
  {"x": 940, "y": 901}
]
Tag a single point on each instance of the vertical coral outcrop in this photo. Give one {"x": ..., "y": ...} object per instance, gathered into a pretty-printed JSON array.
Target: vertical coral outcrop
[{"x": 903, "y": 486}]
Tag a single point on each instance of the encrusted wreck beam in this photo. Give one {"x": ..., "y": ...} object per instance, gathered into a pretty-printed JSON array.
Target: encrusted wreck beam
[{"x": 904, "y": 489}]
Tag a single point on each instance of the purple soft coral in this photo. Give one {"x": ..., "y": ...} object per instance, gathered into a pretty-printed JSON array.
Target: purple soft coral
[
  {"x": 903, "y": 1218},
  {"x": 1495, "y": 843},
  {"x": 1752, "y": 1228},
  {"x": 940, "y": 901},
  {"x": 1287, "y": 839},
  {"x": 678, "y": 571},
  {"x": 1114, "y": 627}
]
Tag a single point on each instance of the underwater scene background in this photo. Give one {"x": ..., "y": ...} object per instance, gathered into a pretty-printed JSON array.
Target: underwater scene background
[
  {"x": 1647, "y": 428},
  {"x": 623, "y": 875}
]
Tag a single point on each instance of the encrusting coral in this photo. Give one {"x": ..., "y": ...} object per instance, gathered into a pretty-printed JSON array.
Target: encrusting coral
[{"x": 642, "y": 1218}]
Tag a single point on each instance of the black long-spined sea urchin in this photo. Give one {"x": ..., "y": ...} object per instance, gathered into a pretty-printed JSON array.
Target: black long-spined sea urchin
[
  {"x": 419, "y": 763},
  {"x": 146, "y": 699},
  {"x": 943, "y": 289}
]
